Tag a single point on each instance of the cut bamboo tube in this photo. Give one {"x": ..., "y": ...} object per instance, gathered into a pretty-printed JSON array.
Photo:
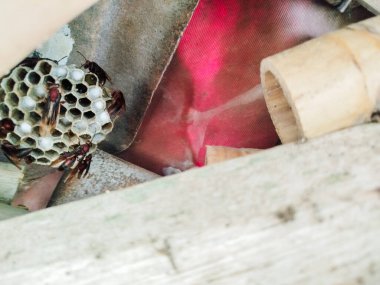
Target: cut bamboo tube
[
  {"x": 216, "y": 154},
  {"x": 326, "y": 84}
]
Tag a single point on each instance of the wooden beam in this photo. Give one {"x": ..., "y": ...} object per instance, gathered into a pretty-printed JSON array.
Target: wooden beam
[
  {"x": 371, "y": 5},
  {"x": 27, "y": 24},
  {"x": 7, "y": 212},
  {"x": 297, "y": 214},
  {"x": 10, "y": 177}
]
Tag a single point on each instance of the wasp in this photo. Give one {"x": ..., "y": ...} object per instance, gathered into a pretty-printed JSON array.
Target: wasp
[
  {"x": 6, "y": 126},
  {"x": 82, "y": 166},
  {"x": 80, "y": 154},
  {"x": 15, "y": 155},
  {"x": 32, "y": 61},
  {"x": 118, "y": 103},
  {"x": 96, "y": 69},
  {"x": 51, "y": 109}
]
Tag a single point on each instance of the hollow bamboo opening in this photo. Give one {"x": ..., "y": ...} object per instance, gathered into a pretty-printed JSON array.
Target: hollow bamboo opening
[{"x": 280, "y": 110}]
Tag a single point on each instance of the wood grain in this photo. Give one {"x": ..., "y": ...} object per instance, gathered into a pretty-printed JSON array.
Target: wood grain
[{"x": 297, "y": 214}]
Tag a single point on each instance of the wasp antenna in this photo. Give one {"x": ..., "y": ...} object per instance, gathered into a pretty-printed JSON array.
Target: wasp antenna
[
  {"x": 62, "y": 58},
  {"x": 81, "y": 54}
]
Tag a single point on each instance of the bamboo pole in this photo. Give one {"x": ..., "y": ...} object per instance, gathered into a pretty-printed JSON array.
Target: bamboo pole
[{"x": 326, "y": 84}]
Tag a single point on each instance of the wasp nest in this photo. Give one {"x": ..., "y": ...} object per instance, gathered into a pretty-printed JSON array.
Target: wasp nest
[{"x": 83, "y": 113}]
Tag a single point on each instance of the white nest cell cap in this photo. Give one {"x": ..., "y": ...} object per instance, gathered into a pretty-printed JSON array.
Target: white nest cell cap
[
  {"x": 45, "y": 143},
  {"x": 25, "y": 128},
  {"x": 59, "y": 71},
  {"x": 77, "y": 74},
  {"x": 94, "y": 92},
  {"x": 27, "y": 103}
]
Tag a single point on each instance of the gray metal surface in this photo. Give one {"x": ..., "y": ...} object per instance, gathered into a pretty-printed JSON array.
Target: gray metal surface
[{"x": 133, "y": 41}]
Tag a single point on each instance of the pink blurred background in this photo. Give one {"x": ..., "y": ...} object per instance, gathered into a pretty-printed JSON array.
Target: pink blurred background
[{"x": 211, "y": 94}]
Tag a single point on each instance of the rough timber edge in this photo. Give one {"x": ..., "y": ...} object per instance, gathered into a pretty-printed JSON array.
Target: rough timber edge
[{"x": 297, "y": 214}]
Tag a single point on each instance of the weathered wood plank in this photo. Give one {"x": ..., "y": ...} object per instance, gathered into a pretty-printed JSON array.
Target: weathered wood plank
[
  {"x": 371, "y": 5},
  {"x": 7, "y": 212},
  {"x": 10, "y": 177},
  {"x": 297, "y": 214}
]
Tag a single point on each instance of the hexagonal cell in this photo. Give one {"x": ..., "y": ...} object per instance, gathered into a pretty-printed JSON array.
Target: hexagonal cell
[
  {"x": 17, "y": 115},
  {"x": 88, "y": 115},
  {"x": 56, "y": 133},
  {"x": 62, "y": 110},
  {"x": 85, "y": 137},
  {"x": 52, "y": 154},
  {"x": 34, "y": 118},
  {"x": 106, "y": 128},
  {"x": 27, "y": 104},
  {"x": 94, "y": 128},
  {"x": 66, "y": 85},
  {"x": 94, "y": 92},
  {"x": 98, "y": 138},
  {"x": 59, "y": 71},
  {"x": 36, "y": 131},
  {"x": 45, "y": 143},
  {"x": 33, "y": 78},
  {"x": 40, "y": 107},
  {"x": 44, "y": 67},
  {"x": 4, "y": 110},
  {"x": 59, "y": 145},
  {"x": 21, "y": 73},
  {"x": 2, "y": 95},
  {"x": 8, "y": 84},
  {"x": 91, "y": 79},
  {"x": 76, "y": 74},
  {"x": 37, "y": 92},
  {"x": 22, "y": 88},
  {"x": 30, "y": 142},
  {"x": 43, "y": 160},
  {"x": 23, "y": 129},
  {"x": 79, "y": 127},
  {"x": 75, "y": 113},
  {"x": 70, "y": 138},
  {"x": 12, "y": 99},
  {"x": 63, "y": 124},
  {"x": 98, "y": 106},
  {"x": 84, "y": 102},
  {"x": 81, "y": 88},
  {"x": 70, "y": 98},
  {"x": 104, "y": 118},
  {"x": 48, "y": 79},
  {"x": 37, "y": 152},
  {"x": 13, "y": 138}
]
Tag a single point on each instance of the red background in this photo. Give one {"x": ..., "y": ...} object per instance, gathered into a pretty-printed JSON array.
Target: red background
[{"x": 210, "y": 93}]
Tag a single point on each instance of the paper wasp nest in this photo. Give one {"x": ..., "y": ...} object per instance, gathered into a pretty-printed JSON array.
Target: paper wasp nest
[{"x": 83, "y": 114}]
